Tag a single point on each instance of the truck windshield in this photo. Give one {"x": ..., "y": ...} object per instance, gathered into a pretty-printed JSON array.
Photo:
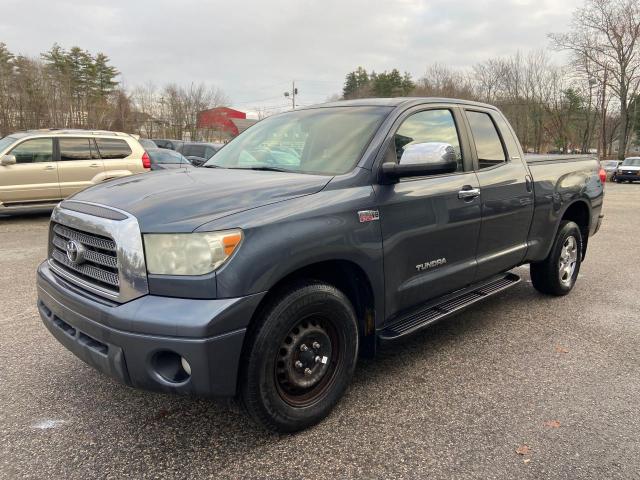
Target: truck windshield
[
  {"x": 326, "y": 141},
  {"x": 631, "y": 162}
]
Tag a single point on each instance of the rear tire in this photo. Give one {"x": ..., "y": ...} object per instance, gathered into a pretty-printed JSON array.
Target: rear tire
[
  {"x": 299, "y": 357},
  {"x": 557, "y": 274}
]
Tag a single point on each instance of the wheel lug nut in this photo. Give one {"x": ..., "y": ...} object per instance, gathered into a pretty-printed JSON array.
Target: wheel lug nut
[
  {"x": 316, "y": 345},
  {"x": 307, "y": 371},
  {"x": 298, "y": 364},
  {"x": 304, "y": 347},
  {"x": 318, "y": 359}
]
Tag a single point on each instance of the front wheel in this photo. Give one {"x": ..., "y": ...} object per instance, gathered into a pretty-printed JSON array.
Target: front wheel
[
  {"x": 557, "y": 274},
  {"x": 300, "y": 357}
]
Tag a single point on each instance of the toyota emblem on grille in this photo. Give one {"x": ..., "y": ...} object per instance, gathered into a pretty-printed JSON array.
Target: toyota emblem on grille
[{"x": 75, "y": 252}]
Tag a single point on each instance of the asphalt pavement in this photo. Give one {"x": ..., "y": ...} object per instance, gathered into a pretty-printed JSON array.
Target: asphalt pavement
[{"x": 521, "y": 386}]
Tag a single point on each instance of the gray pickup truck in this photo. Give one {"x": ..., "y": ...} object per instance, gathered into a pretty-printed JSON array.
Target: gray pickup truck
[{"x": 311, "y": 239}]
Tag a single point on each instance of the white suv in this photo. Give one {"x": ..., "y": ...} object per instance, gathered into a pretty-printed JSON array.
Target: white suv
[{"x": 38, "y": 168}]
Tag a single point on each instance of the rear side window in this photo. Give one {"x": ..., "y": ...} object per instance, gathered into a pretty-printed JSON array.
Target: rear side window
[
  {"x": 32, "y": 151},
  {"x": 113, "y": 148},
  {"x": 165, "y": 156},
  {"x": 193, "y": 150},
  {"x": 488, "y": 144},
  {"x": 75, "y": 149}
]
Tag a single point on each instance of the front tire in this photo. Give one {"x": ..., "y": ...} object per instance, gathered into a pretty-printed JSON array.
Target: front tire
[
  {"x": 300, "y": 357},
  {"x": 557, "y": 274}
]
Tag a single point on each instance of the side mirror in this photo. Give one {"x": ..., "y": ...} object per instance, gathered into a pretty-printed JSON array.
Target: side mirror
[
  {"x": 421, "y": 159},
  {"x": 8, "y": 160}
]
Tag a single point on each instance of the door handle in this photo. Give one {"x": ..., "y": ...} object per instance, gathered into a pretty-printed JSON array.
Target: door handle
[
  {"x": 94, "y": 165},
  {"x": 49, "y": 167},
  {"x": 468, "y": 193}
]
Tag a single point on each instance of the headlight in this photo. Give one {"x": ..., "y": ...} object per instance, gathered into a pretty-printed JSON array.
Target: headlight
[{"x": 189, "y": 253}]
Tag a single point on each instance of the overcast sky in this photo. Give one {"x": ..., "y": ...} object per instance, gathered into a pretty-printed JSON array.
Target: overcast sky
[{"x": 252, "y": 49}]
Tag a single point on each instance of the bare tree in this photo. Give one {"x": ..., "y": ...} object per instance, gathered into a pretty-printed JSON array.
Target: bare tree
[{"x": 605, "y": 33}]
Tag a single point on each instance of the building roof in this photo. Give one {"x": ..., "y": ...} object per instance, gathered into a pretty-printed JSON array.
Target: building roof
[
  {"x": 222, "y": 110},
  {"x": 243, "y": 123}
]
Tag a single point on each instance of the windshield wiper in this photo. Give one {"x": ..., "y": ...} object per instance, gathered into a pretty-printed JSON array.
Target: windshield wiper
[
  {"x": 263, "y": 169},
  {"x": 212, "y": 166}
]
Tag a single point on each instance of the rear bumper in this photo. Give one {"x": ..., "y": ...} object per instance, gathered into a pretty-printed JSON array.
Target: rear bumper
[{"x": 208, "y": 333}]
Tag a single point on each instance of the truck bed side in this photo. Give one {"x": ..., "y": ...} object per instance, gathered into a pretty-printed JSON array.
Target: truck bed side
[{"x": 562, "y": 182}]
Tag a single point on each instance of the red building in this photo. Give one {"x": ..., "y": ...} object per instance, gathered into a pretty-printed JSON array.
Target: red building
[{"x": 221, "y": 119}]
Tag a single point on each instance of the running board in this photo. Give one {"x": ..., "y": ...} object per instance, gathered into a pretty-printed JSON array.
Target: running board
[{"x": 452, "y": 304}]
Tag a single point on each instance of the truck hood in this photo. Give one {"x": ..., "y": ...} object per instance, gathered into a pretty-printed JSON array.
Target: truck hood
[
  {"x": 182, "y": 200},
  {"x": 631, "y": 168}
]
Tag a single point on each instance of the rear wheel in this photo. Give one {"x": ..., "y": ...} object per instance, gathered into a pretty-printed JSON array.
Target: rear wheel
[
  {"x": 557, "y": 274},
  {"x": 300, "y": 357}
]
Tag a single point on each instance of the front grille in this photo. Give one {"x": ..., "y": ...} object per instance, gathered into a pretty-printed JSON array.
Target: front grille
[{"x": 99, "y": 265}]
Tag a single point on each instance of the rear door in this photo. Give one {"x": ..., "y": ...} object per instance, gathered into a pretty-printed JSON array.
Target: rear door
[
  {"x": 118, "y": 157},
  {"x": 34, "y": 176},
  {"x": 79, "y": 164},
  {"x": 429, "y": 232},
  {"x": 506, "y": 192}
]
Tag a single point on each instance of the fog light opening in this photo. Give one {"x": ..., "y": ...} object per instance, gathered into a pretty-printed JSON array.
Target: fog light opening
[{"x": 171, "y": 367}]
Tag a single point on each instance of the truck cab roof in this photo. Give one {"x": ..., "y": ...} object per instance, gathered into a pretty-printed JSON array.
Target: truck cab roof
[{"x": 398, "y": 102}]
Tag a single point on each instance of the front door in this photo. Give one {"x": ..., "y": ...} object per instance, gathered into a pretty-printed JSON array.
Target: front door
[
  {"x": 429, "y": 232},
  {"x": 34, "y": 176},
  {"x": 80, "y": 166}
]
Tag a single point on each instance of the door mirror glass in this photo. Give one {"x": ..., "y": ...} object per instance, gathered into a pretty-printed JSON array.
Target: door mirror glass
[
  {"x": 8, "y": 160},
  {"x": 428, "y": 153}
]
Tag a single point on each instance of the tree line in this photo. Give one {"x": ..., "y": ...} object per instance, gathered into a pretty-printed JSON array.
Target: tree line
[
  {"x": 77, "y": 89},
  {"x": 591, "y": 102}
]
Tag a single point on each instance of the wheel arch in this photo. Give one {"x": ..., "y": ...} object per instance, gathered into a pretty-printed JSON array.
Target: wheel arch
[
  {"x": 348, "y": 277},
  {"x": 579, "y": 212}
]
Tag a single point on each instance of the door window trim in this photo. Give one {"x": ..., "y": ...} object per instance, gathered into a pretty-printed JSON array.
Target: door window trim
[
  {"x": 476, "y": 161},
  {"x": 458, "y": 121}
]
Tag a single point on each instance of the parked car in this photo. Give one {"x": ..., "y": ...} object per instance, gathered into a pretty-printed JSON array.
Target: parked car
[
  {"x": 147, "y": 144},
  {"x": 199, "y": 152},
  {"x": 170, "y": 144},
  {"x": 628, "y": 170},
  {"x": 265, "y": 280},
  {"x": 164, "y": 159},
  {"x": 610, "y": 167},
  {"x": 38, "y": 168}
]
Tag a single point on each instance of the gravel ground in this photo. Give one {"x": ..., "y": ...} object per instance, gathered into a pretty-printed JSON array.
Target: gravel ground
[{"x": 558, "y": 375}]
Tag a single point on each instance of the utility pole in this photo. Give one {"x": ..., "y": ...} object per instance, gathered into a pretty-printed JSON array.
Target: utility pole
[
  {"x": 603, "y": 153},
  {"x": 292, "y": 94}
]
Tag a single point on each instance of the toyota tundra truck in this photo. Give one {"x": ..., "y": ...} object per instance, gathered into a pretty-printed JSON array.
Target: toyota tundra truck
[{"x": 310, "y": 240}]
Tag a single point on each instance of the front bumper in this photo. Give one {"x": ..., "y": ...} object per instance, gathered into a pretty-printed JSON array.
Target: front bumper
[{"x": 125, "y": 341}]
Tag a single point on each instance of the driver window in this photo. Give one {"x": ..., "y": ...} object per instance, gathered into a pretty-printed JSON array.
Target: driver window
[
  {"x": 32, "y": 151},
  {"x": 434, "y": 127}
]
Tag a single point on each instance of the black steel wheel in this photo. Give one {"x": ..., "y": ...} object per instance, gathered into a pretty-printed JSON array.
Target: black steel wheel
[
  {"x": 307, "y": 361},
  {"x": 299, "y": 357}
]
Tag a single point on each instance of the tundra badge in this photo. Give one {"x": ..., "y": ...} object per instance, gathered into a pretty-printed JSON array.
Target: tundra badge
[{"x": 433, "y": 263}]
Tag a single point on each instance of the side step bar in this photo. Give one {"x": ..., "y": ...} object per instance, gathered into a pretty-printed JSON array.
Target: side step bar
[{"x": 446, "y": 307}]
